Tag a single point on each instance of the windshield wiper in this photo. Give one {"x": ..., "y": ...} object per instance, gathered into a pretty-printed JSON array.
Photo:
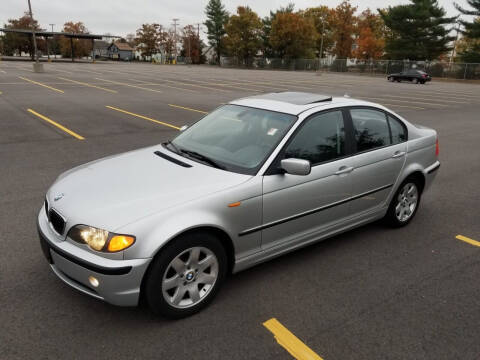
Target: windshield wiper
[
  {"x": 175, "y": 148},
  {"x": 203, "y": 158}
]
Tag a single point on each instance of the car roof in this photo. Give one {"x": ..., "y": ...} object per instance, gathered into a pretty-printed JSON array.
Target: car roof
[{"x": 294, "y": 103}]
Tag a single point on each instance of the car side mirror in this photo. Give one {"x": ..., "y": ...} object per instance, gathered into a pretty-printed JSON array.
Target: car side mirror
[
  {"x": 296, "y": 166},
  {"x": 184, "y": 127}
]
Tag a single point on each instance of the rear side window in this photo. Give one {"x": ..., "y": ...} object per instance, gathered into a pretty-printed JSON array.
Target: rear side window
[
  {"x": 371, "y": 129},
  {"x": 321, "y": 138},
  {"x": 399, "y": 133}
]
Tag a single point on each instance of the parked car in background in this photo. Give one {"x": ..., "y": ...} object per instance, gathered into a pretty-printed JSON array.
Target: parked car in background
[
  {"x": 252, "y": 180},
  {"x": 412, "y": 75}
]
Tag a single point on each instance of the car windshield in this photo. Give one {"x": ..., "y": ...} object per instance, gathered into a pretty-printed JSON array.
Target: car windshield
[{"x": 234, "y": 138}]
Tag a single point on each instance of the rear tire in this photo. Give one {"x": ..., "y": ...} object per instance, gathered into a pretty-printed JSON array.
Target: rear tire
[
  {"x": 415, "y": 80},
  {"x": 186, "y": 275},
  {"x": 404, "y": 204}
]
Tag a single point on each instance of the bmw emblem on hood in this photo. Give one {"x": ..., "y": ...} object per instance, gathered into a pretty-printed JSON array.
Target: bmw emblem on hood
[{"x": 58, "y": 197}]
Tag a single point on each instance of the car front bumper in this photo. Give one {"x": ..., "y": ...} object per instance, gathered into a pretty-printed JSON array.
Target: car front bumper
[{"x": 119, "y": 281}]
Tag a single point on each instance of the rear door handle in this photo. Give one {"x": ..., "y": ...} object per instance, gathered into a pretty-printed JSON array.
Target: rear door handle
[
  {"x": 344, "y": 170},
  {"x": 398, "y": 154}
]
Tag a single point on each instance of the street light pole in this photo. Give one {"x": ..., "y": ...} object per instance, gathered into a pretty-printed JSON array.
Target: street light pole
[
  {"x": 37, "y": 67},
  {"x": 175, "y": 38},
  {"x": 33, "y": 32},
  {"x": 53, "y": 41}
]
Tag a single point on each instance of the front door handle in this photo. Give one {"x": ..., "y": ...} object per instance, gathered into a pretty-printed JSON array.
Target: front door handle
[
  {"x": 344, "y": 170},
  {"x": 398, "y": 154}
]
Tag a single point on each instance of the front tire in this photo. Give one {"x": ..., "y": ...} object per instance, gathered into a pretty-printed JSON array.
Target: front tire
[
  {"x": 186, "y": 275},
  {"x": 404, "y": 204},
  {"x": 391, "y": 79}
]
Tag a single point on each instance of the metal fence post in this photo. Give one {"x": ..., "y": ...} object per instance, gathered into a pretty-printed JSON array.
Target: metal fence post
[{"x": 465, "y": 72}]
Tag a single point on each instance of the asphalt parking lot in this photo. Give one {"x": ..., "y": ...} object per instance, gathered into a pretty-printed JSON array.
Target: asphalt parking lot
[{"x": 371, "y": 293}]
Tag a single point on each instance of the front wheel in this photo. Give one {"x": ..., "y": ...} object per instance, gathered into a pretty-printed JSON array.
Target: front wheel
[
  {"x": 391, "y": 78},
  {"x": 186, "y": 275},
  {"x": 404, "y": 204}
]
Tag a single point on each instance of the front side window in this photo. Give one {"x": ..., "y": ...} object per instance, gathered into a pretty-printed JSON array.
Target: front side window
[
  {"x": 321, "y": 138},
  {"x": 371, "y": 129},
  {"x": 237, "y": 138}
]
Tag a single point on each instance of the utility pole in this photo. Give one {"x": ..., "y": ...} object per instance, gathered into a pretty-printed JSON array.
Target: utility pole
[
  {"x": 175, "y": 37},
  {"x": 37, "y": 67},
  {"x": 53, "y": 41},
  {"x": 321, "y": 41},
  {"x": 455, "y": 43}
]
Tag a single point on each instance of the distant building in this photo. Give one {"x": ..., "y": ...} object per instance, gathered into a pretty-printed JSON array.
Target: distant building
[
  {"x": 120, "y": 51},
  {"x": 100, "y": 49}
]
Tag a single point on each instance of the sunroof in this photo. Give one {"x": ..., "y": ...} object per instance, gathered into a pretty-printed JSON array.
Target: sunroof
[{"x": 296, "y": 98}]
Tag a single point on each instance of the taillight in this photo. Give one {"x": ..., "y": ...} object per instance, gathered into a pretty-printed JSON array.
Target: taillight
[
  {"x": 424, "y": 76},
  {"x": 437, "y": 148}
]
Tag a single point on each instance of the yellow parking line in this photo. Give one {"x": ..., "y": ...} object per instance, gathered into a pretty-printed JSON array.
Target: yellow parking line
[
  {"x": 143, "y": 117},
  {"x": 187, "y": 108},
  {"x": 129, "y": 85},
  {"x": 40, "y": 84},
  {"x": 290, "y": 342},
  {"x": 89, "y": 85},
  {"x": 61, "y": 127},
  {"x": 468, "y": 240}
]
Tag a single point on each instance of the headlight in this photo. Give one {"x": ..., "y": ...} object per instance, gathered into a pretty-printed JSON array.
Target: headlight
[{"x": 100, "y": 240}]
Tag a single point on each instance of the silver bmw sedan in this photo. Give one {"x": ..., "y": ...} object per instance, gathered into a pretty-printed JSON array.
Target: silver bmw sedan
[{"x": 254, "y": 179}]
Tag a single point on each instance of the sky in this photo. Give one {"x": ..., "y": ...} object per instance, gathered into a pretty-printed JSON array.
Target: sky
[{"x": 120, "y": 17}]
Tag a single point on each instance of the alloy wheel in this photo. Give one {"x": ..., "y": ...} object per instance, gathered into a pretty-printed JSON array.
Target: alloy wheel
[
  {"x": 190, "y": 277},
  {"x": 407, "y": 201}
]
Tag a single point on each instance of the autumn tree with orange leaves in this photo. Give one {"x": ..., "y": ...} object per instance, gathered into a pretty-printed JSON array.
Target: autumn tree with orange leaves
[
  {"x": 81, "y": 47},
  {"x": 370, "y": 36},
  {"x": 343, "y": 25}
]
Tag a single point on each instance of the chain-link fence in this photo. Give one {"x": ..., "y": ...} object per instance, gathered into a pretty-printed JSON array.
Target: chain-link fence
[{"x": 438, "y": 69}]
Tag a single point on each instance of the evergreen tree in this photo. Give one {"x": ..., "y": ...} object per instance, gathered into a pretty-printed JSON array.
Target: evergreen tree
[
  {"x": 418, "y": 30},
  {"x": 471, "y": 53},
  {"x": 217, "y": 16}
]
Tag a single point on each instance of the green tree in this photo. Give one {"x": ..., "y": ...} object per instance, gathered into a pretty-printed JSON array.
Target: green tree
[
  {"x": 471, "y": 51},
  {"x": 418, "y": 30},
  {"x": 217, "y": 16},
  {"x": 293, "y": 36},
  {"x": 243, "y": 34},
  {"x": 267, "y": 29}
]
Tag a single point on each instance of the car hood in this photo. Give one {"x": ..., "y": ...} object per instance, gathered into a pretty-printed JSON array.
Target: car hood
[{"x": 114, "y": 191}]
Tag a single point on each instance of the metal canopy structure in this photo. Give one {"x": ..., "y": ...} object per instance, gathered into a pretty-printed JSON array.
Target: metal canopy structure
[{"x": 71, "y": 36}]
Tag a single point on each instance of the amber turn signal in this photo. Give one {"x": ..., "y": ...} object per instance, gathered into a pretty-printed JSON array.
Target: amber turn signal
[{"x": 120, "y": 242}]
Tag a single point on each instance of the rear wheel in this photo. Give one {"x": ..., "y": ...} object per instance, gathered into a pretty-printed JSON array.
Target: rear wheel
[
  {"x": 404, "y": 204},
  {"x": 186, "y": 275},
  {"x": 415, "y": 80}
]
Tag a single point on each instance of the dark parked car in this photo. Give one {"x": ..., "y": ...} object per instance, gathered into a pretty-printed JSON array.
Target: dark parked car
[{"x": 415, "y": 76}]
